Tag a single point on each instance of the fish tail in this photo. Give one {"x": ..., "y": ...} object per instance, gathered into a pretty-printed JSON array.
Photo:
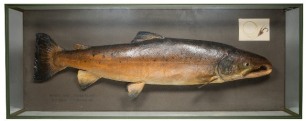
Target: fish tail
[{"x": 44, "y": 66}]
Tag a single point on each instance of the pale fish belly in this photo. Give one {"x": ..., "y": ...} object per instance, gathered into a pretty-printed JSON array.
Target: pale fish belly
[{"x": 157, "y": 73}]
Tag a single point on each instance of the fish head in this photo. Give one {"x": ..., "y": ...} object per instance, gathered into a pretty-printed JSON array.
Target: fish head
[{"x": 240, "y": 64}]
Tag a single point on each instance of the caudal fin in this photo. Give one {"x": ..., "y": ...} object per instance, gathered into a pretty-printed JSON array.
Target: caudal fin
[{"x": 44, "y": 67}]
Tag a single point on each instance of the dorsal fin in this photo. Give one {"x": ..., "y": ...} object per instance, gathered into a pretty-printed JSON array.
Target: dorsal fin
[{"x": 143, "y": 36}]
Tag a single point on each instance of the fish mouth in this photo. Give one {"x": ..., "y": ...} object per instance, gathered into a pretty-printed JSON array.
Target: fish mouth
[{"x": 259, "y": 71}]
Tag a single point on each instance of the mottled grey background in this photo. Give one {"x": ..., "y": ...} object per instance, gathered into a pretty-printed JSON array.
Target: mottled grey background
[{"x": 114, "y": 26}]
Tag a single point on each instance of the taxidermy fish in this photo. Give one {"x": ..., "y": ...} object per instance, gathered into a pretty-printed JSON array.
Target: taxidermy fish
[{"x": 150, "y": 59}]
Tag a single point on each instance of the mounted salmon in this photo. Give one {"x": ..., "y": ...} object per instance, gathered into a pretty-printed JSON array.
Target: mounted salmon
[{"x": 150, "y": 59}]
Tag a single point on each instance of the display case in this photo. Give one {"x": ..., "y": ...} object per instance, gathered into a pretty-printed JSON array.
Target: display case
[{"x": 278, "y": 95}]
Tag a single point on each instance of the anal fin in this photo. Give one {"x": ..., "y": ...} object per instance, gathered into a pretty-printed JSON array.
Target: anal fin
[
  {"x": 134, "y": 89},
  {"x": 86, "y": 79}
]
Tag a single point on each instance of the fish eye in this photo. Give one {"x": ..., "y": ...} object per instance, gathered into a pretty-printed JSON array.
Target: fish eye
[{"x": 246, "y": 64}]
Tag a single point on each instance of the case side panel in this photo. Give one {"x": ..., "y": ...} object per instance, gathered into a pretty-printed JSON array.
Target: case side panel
[
  {"x": 15, "y": 60},
  {"x": 292, "y": 61}
]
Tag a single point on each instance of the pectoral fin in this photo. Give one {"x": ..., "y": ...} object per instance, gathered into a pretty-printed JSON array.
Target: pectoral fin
[
  {"x": 217, "y": 80},
  {"x": 134, "y": 89},
  {"x": 86, "y": 79},
  {"x": 80, "y": 46},
  {"x": 214, "y": 79}
]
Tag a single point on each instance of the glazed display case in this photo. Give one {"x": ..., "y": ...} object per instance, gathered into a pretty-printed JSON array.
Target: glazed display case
[{"x": 278, "y": 95}]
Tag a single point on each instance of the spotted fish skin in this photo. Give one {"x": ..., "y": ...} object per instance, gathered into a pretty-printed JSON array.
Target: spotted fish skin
[
  {"x": 159, "y": 61},
  {"x": 149, "y": 59}
]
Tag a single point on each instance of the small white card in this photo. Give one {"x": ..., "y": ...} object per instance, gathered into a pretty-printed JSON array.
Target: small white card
[{"x": 254, "y": 29}]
